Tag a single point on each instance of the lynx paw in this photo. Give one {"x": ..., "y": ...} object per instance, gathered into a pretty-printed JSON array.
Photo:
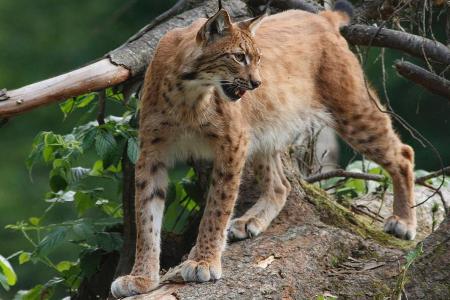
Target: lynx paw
[
  {"x": 200, "y": 271},
  {"x": 130, "y": 285},
  {"x": 400, "y": 228},
  {"x": 245, "y": 228}
]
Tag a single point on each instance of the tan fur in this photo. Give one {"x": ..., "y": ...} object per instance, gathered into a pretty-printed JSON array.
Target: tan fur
[{"x": 308, "y": 76}]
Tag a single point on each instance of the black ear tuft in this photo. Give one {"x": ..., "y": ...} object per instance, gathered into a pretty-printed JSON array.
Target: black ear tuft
[{"x": 344, "y": 6}]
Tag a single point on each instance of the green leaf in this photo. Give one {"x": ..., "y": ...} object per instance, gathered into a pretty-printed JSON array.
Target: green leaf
[
  {"x": 34, "y": 221},
  {"x": 97, "y": 168},
  {"x": 3, "y": 282},
  {"x": 104, "y": 143},
  {"x": 24, "y": 257},
  {"x": 83, "y": 201},
  {"x": 58, "y": 183},
  {"x": 51, "y": 241},
  {"x": 109, "y": 241},
  {"x": 83, "y": 231},
  {"x": 67, "y": 107},
  {"x": 88, "y": 138},
  {"x": 85, "y": 100},
  {"x": 47, "y": 154},
  {"x": 133, "y": 150},
  {"x": 8, "y": 271},
  {"x": 39, "y": 292},
  {"x": 64, "y": 265}
]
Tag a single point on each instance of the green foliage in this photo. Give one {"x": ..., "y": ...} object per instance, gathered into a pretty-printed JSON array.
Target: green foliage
[
  {"x": 74, "y": 184},
  {"x": 349, "y": 188},
  {"x": 7, "y": 275},
  {"x": 410, "y": 258}
]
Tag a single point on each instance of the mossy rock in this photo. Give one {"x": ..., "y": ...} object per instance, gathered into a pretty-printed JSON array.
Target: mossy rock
[{"x": 332, "y": 213}]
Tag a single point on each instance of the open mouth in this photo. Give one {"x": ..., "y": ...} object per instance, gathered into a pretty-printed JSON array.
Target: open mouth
[{"x": 233, "y": 92}]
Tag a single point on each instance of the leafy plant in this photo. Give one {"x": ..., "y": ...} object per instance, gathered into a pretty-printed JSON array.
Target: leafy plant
[
  {"x": 83, "y": 165},
  {"x": 410, "y": 258}
]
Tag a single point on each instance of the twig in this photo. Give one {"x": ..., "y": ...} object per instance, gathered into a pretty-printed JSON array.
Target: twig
[
  {"x": 432, "y": 82},
  {"x": 343, "y": 173},
  {"x": 424, "y": 178},
  {"x": 368, "y": 213},
  {"x": 373, "y": 177},
  {"x": 101, "y": 107},
  {"x": 436, "y": 191}
]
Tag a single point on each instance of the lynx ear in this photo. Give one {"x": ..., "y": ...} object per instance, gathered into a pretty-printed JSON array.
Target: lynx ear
[
  {"x": 215, "y": 28},
  {"x": 252, "y": 24}
]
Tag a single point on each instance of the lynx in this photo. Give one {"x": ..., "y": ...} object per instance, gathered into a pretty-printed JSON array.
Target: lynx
[{"x": 238, "y": 93}]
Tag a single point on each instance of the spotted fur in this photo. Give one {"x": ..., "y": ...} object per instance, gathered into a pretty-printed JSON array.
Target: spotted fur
[{"x": 237, "y": 92}]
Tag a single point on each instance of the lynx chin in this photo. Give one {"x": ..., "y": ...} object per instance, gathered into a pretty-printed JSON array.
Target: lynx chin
[{"x": 239, "y": 93}]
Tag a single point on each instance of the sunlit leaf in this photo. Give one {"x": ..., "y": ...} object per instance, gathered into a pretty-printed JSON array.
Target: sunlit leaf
[
  {"x": 34, "y": 221},
  {"x": 8, "y": 271},
  {"x": 24, "y": 257},
  {"x": 64, "y": 265}
]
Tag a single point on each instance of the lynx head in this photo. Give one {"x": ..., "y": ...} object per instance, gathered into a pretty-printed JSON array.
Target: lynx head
[{"x": 228, "y": 57}]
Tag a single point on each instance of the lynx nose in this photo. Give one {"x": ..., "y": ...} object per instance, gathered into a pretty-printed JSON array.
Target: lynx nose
[{"x": 254, "y": 84}]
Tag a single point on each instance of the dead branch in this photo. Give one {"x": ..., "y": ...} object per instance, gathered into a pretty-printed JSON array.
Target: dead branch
[
  {"x": 373, "y": 177},
  {"x": 414, "y": 45},
  {"x": 432, "y": 82},
  {"x": 445, "y": 170},
  {"x": 305, "y": 5},
  {"x": 96, "y": 76},
  {"x": 343, "y": 173}
]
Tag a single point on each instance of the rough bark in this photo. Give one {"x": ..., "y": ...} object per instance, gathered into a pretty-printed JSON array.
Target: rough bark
[
  {"x": 406, "y": 42},
  {"x": 432, "y": 270},
  {"x": 432, "y": 82}
]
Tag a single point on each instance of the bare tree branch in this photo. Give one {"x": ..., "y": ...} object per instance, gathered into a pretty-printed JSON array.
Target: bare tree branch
[
  {"x": 432, "y": 82},
  {"x": 366, "y": 176},
  {"x": 343, "y": 173},
  {"x": 96, "y": 76},
  {"x": 445, "y": 170},
  {"x": 409, "y": 43}
]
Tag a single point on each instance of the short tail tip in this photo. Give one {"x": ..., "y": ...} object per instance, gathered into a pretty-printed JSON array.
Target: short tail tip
[{"x": 344, "y": 6}]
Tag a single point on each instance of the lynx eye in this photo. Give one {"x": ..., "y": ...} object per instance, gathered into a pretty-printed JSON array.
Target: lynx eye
[{"x": 240, "y": 57}]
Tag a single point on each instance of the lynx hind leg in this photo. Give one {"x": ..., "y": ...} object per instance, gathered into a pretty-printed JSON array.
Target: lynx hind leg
[
  {"x": 370, "y": 132},
  {"x": 274, "y": 191}
]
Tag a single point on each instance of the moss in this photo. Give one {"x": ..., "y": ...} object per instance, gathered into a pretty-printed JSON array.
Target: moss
[
  {"x": 332, "y": 213},
  {"x": 383, "y": 291}
]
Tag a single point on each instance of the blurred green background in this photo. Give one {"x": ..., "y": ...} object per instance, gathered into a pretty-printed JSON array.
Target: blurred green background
[{"x": 43, "y": 38}]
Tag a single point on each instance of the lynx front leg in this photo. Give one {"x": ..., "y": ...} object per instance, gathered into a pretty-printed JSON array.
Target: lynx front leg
[
  {"x": 151, "y": 184},
  {"x": 274, "y": 191},
  {"x": 204, "y": 261}
]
